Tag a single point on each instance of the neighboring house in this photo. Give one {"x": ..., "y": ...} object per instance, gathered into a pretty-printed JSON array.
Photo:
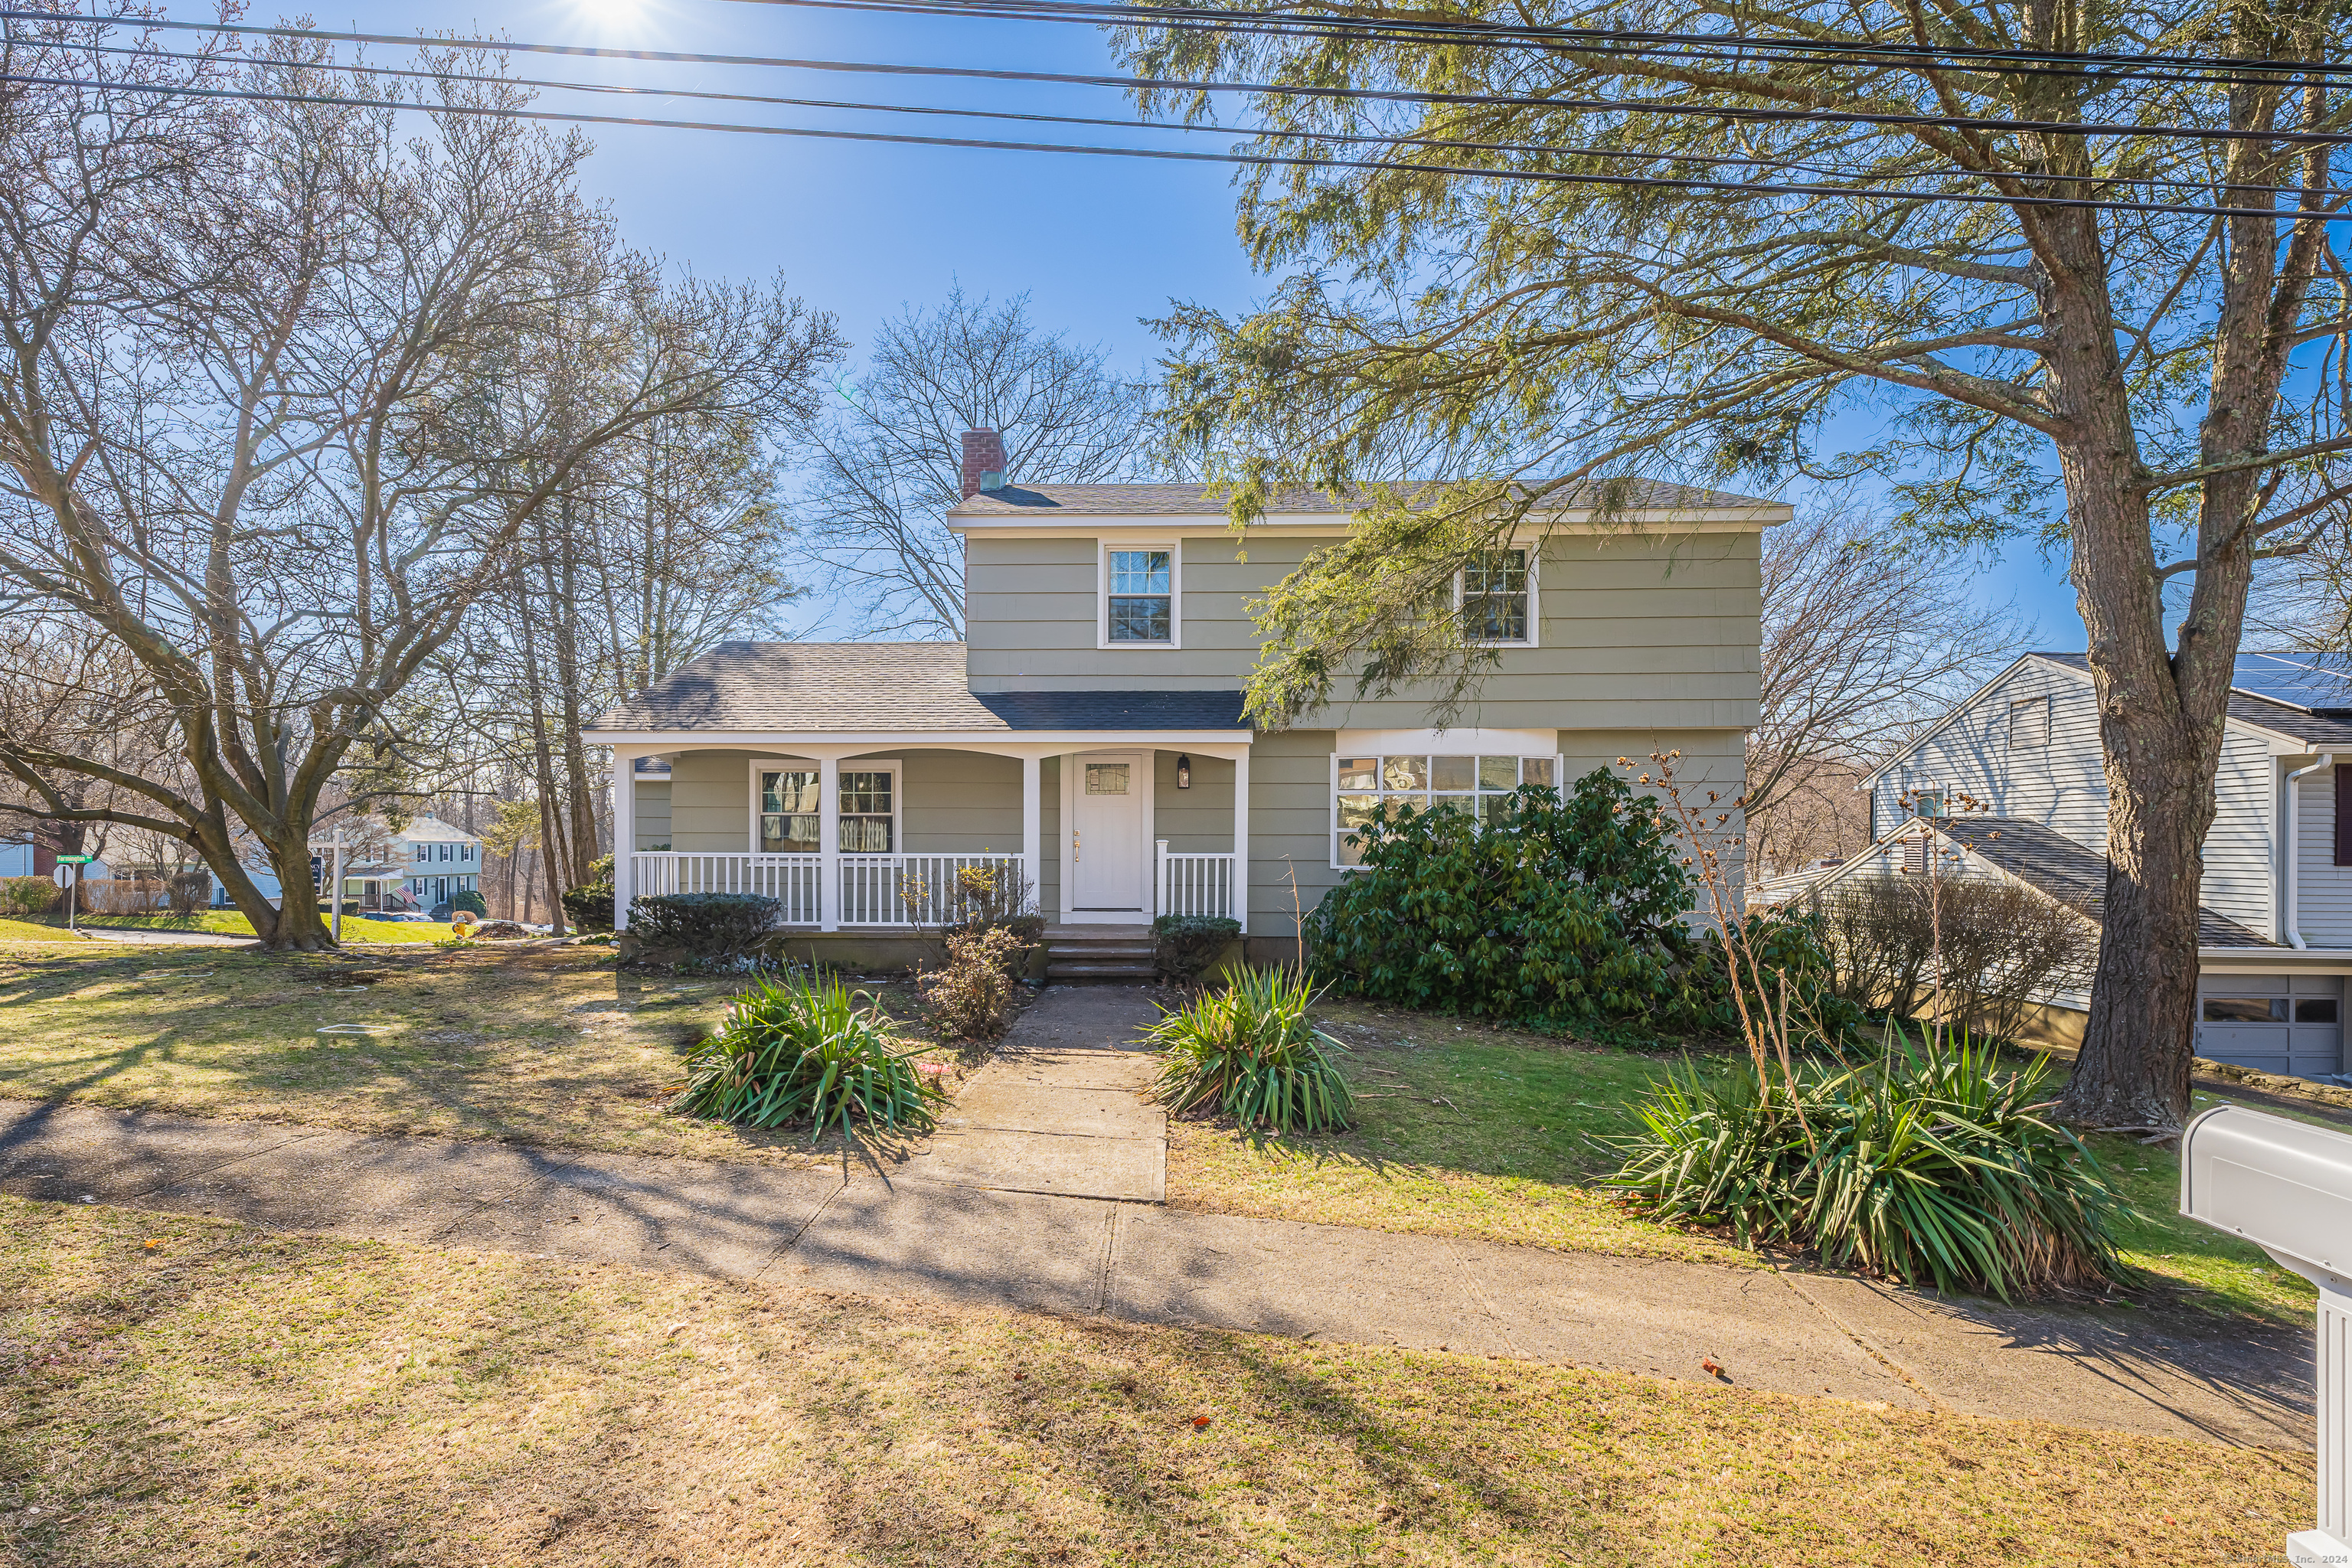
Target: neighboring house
[
  {"x": 2275, "y": 932},
  {"x": 419, "y": 867},
  {"x": 1088, "y": 735}
]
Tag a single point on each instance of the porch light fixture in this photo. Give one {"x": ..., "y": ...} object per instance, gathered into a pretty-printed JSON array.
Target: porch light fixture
[{"x": 1183, "y": 773}]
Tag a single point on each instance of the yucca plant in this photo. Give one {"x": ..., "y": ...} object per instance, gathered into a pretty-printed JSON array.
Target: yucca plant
[
  {"x": 1928, "y": 1165},
  {"x": 1249, "y": 1050},
  {"x": 796, "y": 1048}
]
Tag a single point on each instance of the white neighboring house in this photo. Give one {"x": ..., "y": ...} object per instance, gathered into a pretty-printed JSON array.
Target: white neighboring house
[
  {"x": 420, "y": 867},
  {"x": 2274, "y": 940}
]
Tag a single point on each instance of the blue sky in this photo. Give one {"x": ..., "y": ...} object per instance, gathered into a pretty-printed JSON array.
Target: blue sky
[{"x": 862, "y": 229}]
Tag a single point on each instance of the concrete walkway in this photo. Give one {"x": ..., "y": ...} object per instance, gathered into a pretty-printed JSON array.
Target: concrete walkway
[
  {"x": 993, "y": 1214},
  {"x": 1061, "y": 1108}
]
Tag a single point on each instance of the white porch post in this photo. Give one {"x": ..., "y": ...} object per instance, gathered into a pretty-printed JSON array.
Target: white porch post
[
  {"x": 625, "y": 837},
  {"x": 1241, "y": 839},
  {"x": 828, "y": 843},
  {"x": 1032, "y": 826}
]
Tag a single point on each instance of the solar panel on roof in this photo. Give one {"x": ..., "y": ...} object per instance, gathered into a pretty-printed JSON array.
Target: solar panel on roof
[{"x": 2314, "y": 682}]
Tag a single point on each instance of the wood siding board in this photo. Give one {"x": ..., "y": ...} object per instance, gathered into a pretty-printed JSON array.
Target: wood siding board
[
  {"x": 1200, "y": 820},
  {"x": 2239, "y": 878},
  {"x": 652, "y": 813},
  {"x": 1683, "y": 656},
  {"x": 2323, "y": 896}
]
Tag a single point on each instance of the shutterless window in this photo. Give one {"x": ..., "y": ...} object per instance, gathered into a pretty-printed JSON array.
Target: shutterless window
[
  {"x": 2029, "y": 723},
  {"x": 1495, "y": 597},
  {"x": 867, "y": 806},
  {"x": 1142, "y": 598},
  {"x": 2245, "y": 1009},
  {"x": 1479, "y": 785},
  {"x": 789, "y": 804}
]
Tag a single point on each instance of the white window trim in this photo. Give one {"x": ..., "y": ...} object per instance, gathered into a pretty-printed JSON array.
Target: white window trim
[
  {"x": 894, "y": 766},
  {"x": 1331, "y": 781},
  {"x": 1535, "y": 601},
  {"x": 1175, "y": 548}
]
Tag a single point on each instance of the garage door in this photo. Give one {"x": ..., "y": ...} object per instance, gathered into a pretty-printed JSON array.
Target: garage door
[{"x": 2271, "y": 1023}]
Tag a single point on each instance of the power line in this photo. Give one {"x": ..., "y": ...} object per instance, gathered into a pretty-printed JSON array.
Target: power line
[
  {"x": 1030, "y": 117},
  {"x": 1131, "y": 83},
  {"x": 1845, "y": 193},
  {"x": 1581, "y": 39}
]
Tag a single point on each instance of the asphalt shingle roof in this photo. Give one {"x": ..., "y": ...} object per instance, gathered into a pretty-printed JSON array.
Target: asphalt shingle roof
[
  {"x": 1166, "y": 500},
  {"x": 862, "y": 687},
  {"x": 2050, "y": 862}
]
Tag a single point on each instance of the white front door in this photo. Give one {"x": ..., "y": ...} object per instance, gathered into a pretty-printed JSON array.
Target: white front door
[{"x": 1110, "y": 847}]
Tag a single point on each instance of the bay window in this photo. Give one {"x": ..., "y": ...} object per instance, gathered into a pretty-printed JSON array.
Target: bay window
[{"x": 1478, "y": 784}]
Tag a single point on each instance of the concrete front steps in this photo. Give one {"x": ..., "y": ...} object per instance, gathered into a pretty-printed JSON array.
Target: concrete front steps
[{"x": 1114, "y": 955}]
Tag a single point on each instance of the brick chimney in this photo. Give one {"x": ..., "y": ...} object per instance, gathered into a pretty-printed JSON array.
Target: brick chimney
[{"x": 983, "y": 462}]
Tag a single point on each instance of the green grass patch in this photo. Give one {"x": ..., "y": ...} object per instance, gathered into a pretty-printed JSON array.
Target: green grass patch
[
  {"x": 1473, "y": 1129},
  {"x": 29, "y": 930},
  {"x": 230, "y": 922},
  {"x": 183, "y": 1391}
]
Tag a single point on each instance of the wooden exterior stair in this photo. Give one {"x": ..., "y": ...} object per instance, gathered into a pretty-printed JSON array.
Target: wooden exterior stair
[{"x": 1101, "y": 956}]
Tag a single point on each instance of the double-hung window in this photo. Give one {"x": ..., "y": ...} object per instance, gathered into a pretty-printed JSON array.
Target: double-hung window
[
  {"x": 792, "y": 810},
  {"x": 1499, "y": 598},
  {"x": 1140, "y": 595},
  {"x": 789, "y": 821},
  {"x": 1480, "y": 786},
  {"x": 868, "y": 812}
]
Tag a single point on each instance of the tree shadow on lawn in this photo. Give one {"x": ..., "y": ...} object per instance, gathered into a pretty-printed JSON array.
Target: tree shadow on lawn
[
  {"x": 286, "y": 1394},
  {"x": 506, "y": 1046}
]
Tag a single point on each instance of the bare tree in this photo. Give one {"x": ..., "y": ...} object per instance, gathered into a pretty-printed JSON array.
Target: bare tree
[
  {"x": 873, "y": 512},
  {"x": 1865, "y": 634},
  {"x": 277, "y": 410}
]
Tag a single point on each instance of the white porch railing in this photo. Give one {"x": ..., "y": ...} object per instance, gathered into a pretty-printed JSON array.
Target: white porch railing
[
  {"x": 1194, "y": 884},
  {"x": 870, "y": 889},
  {"x": 790, "y": 880}
]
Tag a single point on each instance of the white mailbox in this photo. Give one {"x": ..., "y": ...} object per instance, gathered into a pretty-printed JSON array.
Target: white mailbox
[{"x": 2286, "y": 1186}]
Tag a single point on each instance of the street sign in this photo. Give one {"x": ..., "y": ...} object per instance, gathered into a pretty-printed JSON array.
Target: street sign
[{"x": 76, "y": 859}]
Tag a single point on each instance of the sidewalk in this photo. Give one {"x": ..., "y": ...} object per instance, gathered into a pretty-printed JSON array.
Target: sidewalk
[{"x": 1038, "y": 1195}]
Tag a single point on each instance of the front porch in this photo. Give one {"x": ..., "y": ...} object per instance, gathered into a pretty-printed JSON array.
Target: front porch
[{"x": 920, "y": 833}]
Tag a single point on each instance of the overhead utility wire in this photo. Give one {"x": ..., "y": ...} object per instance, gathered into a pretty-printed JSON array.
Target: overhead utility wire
[
  {"x": 1547, "y": 176},
  {"x": 1027, "y": 117},
  {"x": 1532, "y": 33},
  {"x": 1384, "y": 95},
  {"x": 1706, "y": 47}
]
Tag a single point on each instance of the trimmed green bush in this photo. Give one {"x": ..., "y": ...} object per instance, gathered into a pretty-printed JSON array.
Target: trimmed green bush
[
  {"x": 1927, "y": 1165},
  {"x": 1552, "y": 910},
  {"x": 23, "y": 896},
  {"x": 705, "y": 924},
  {"x": 794, "y": 1048},
  {"x": 1190, "y": 943},
  {"x": 590, "y": 908},
  {"x": 468, "y": 899},
  {"x": 1251, "y": 1051}
]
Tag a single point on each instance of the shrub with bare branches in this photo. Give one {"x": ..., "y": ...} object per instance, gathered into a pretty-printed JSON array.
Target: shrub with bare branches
[{"x": 2003, "y": 946}]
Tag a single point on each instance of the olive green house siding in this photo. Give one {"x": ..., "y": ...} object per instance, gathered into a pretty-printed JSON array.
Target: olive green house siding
[{"x": 1120, "y": 777}]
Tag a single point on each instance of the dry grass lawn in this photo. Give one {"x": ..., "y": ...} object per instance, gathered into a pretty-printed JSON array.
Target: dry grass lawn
[
  {"x": 183, "y": 1391},
  {"x": 552, "y": 1047}
]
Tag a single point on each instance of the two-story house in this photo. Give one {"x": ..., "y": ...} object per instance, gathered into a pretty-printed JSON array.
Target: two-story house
[
  {"x": 2275, "y": 933},
  {"x": 1088, "y": 736},
  {"x": 417, "y": 867}
]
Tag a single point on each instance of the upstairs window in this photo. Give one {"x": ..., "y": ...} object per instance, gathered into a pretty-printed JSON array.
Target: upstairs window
[
  {"x": 1140, "y": 597},
  {"x": 1497, "y": 598}
]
